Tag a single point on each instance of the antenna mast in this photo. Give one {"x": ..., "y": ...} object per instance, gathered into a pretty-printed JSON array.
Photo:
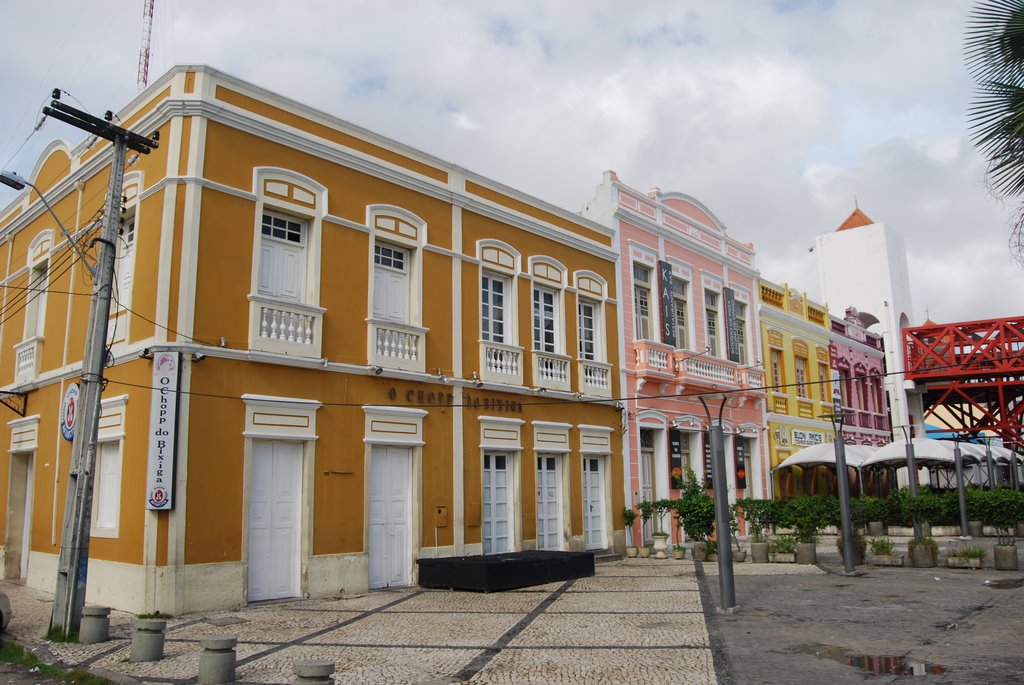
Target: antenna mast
[{"x": 147, "y": 32}]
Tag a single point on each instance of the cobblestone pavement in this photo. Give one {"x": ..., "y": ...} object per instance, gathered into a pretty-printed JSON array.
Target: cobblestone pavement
[
  {"x": 635, "y": 621},
  {"x": 879, "y": 625}
]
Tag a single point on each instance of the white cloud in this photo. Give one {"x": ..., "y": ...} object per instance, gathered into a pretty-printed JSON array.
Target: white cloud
[{"x": 776, "y": 115}]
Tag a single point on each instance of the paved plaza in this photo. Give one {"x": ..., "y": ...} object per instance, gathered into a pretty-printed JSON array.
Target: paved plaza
[
  {"x": 635, "y": 621},
  {"x": 641, "y": 621}
]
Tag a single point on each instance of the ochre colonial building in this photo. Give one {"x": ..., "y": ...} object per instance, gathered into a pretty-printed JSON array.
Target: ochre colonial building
[{"x": 372, "y": 356}]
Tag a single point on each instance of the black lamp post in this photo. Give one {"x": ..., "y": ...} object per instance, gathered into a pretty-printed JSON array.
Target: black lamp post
[
  {"x": 726, "y": 584},
  {"x": 843, "y": 476}
]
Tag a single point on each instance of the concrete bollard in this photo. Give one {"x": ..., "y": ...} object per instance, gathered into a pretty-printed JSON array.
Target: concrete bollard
[
  {"x": 95, "y": 625},
  {"x": 313, "y": 672},
  {"x": 217, "y": 660},
  {"x": 148, "y": 640}
]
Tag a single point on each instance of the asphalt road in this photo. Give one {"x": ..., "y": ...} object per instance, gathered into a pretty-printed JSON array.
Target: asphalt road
[{"x": 880, "y": 626}]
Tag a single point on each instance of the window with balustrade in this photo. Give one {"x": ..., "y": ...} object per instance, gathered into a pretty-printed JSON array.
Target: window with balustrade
[
  {"x": 550, "y": 363},
  {"x": 32, "y": 299},
  {"x": 285, "y": 316},
  {"x": 775, "y": 359},
  {"x": 825, "y": 388},
  {"x": 800, "y": 376},
  {"x": 594, "y": 373},
  {"x": 397, "y": 336},
  {"x": 501, "y": 358}
]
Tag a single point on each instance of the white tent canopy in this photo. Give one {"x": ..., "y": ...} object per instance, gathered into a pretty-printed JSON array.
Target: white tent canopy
[
  {"x": 927, "y": 452},
  {"x": 825, "y": 454}
]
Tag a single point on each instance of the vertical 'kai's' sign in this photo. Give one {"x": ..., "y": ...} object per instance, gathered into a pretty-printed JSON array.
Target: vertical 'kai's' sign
[{"x": 163, "y": 431}]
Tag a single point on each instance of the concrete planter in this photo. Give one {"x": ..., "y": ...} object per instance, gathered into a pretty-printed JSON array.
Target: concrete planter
[
  {"x": 698, "y": 552},
  {"x": 1005, "y": 557},
  {"x": 782, "y": 558},
  {"x": 806, "y": 553},
  {"x": 217, "y": 660},
  {"x": 95, "y": 625},
  {"x": 660, "y": 545},
  {"x": 148, "y": 640},
  {"x": 759, "y": 552},
  {"x": 679, "y": 553},
  {"x": 739, "y": 556},
  {"x": 963, "y": 562},
  {"x": 644, "y": 552},
  {"x": 632, "y": 552},
  {"x": 313, "y": 672},
  {"x": 975, "y": 529},
  {"x": 876, "y": 529},
  {"x": 922, "y": 557},
  {"x": 1019, "y": 531},
  {"x": 887, "y": 560}
]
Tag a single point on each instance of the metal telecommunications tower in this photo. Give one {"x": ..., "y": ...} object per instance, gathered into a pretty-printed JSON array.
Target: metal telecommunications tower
[
  {"x": 147, "y": 33},
  {"x": 73, "y": 563}
]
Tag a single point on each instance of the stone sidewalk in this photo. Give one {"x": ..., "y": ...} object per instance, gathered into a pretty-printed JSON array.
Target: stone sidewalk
[{"x": 636, "y": 621}]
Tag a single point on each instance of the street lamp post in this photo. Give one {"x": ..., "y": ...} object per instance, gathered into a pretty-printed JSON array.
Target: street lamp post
[
  {"x": 912, "y": 476},
  {"x": 843, "y": 476},
  {"x": 726, "y": 584},
  {"x": 961, "y": 490}
]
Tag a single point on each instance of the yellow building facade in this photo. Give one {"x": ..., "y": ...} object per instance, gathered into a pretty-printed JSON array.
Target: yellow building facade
[
  {"x": 795, "y": 339},
  {"x": 331, "y": 355}
]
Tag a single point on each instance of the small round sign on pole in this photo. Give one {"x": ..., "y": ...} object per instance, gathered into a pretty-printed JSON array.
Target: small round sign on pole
[{"x": 69, "y": 412}]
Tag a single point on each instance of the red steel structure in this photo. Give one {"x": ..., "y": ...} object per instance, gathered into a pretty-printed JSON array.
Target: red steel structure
[{"x": 973, "y": 369}]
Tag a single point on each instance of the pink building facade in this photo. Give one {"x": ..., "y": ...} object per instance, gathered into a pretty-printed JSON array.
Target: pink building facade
[
  {"x": 858, "y": 367},
  {"x": 689, "y": 324}
]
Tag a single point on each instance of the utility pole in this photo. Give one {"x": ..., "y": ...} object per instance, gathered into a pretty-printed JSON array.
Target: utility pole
[{"x": 73, "y": 563}]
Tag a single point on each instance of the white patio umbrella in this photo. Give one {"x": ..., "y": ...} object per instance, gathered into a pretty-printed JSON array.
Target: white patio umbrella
[
  {"x": 825, "y": 454},
  {"x": 927, "y": 452}
]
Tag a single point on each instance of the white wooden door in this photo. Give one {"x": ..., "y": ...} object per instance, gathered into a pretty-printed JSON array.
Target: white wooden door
[
  {"x": 389, "y": 538},
  {"x": 593, "y": 503},
  {"x": 274, "y": 520},
  {"x": 26, "y": 524},
  {"x": 391, "y": 284},
  {"x": 497, "y": 503},
  {"x": 646, "y": 487},
  {"x": 549, "y": 502}
]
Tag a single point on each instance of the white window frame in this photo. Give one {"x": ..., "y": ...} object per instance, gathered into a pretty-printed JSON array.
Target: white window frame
[
  {"x": 741, "y": 321},
  {"x": 642, "y": 324},
  {"x": 713, "y": 341},
  {"x": 282, "y": 245},
  {"x": 393, "y": 263},
  {"x": 683, "y": 331},
  {"x": 596, "y": 330},
  {"x": 108, "y": 476},
  {"x": 539, "y": 332},
  {"x": 487, "y": 320}
]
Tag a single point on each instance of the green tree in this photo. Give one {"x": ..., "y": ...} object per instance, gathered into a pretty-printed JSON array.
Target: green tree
[{"x": 994, "y": 52}]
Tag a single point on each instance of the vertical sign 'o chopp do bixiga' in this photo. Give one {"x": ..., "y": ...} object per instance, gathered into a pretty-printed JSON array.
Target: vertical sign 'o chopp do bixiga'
[
  {"x": 668, "y": 315},
  {"x": 163, "y": 431}
]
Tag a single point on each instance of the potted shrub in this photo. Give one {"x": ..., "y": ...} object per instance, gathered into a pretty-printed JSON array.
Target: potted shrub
[
  {"x": 782, "y": 550},
  {"x": 660, "y": 508},
  {"x": 760, "y": 514},
  {"x": 679, "y": 551},
  {"x": 1003, "y": 509},
  {"x": 965, "y": 557},
  {"x": 860, "y": 545},
  {"x": 807, "y": 515},
  {"x": 628, "y": 518},
  {"x": 646, "y": 512},
  {"x": 883, "y": 553},
  {"x": 924, "y": 552},
  {"x": 870, "y": 513},
  {"x": 696, "y": 510},
  {"x": 711, "y": 550}
]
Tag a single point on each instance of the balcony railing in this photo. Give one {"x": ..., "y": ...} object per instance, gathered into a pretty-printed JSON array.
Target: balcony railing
[
  {"x": 705, "y": 368},
  {"x": 652, "y": 357},
  {"x": 780, "y": 403},
  {"x": 805, "y": 408},
  {"x": 397, "y": 345},
  {"x": 595, "y": 378},
  {"x": 26, "y": 356},
  {"x": 285, "y": 327},
  {"x": 550, "y": 371},
  {"x": 501, "y": 363},
  {"x": 752, "y": 378}
]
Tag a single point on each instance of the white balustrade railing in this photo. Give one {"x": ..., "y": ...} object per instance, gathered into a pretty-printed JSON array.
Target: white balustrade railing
[
  {"x": 596, "y": 378},
  {"x": 395, "y": 343},
  {"x": 285, "y": 327},
  {"x": 25, "y": 356},
  {"x": 652, "y": 357},
  {"x": 550, "y": 370},
  {"x": 501, "y": 363},
  {"x": 709, "y": 369}
]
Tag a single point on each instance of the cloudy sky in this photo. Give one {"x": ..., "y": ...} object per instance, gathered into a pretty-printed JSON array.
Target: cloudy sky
[{"x": 780, "y": 116}]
